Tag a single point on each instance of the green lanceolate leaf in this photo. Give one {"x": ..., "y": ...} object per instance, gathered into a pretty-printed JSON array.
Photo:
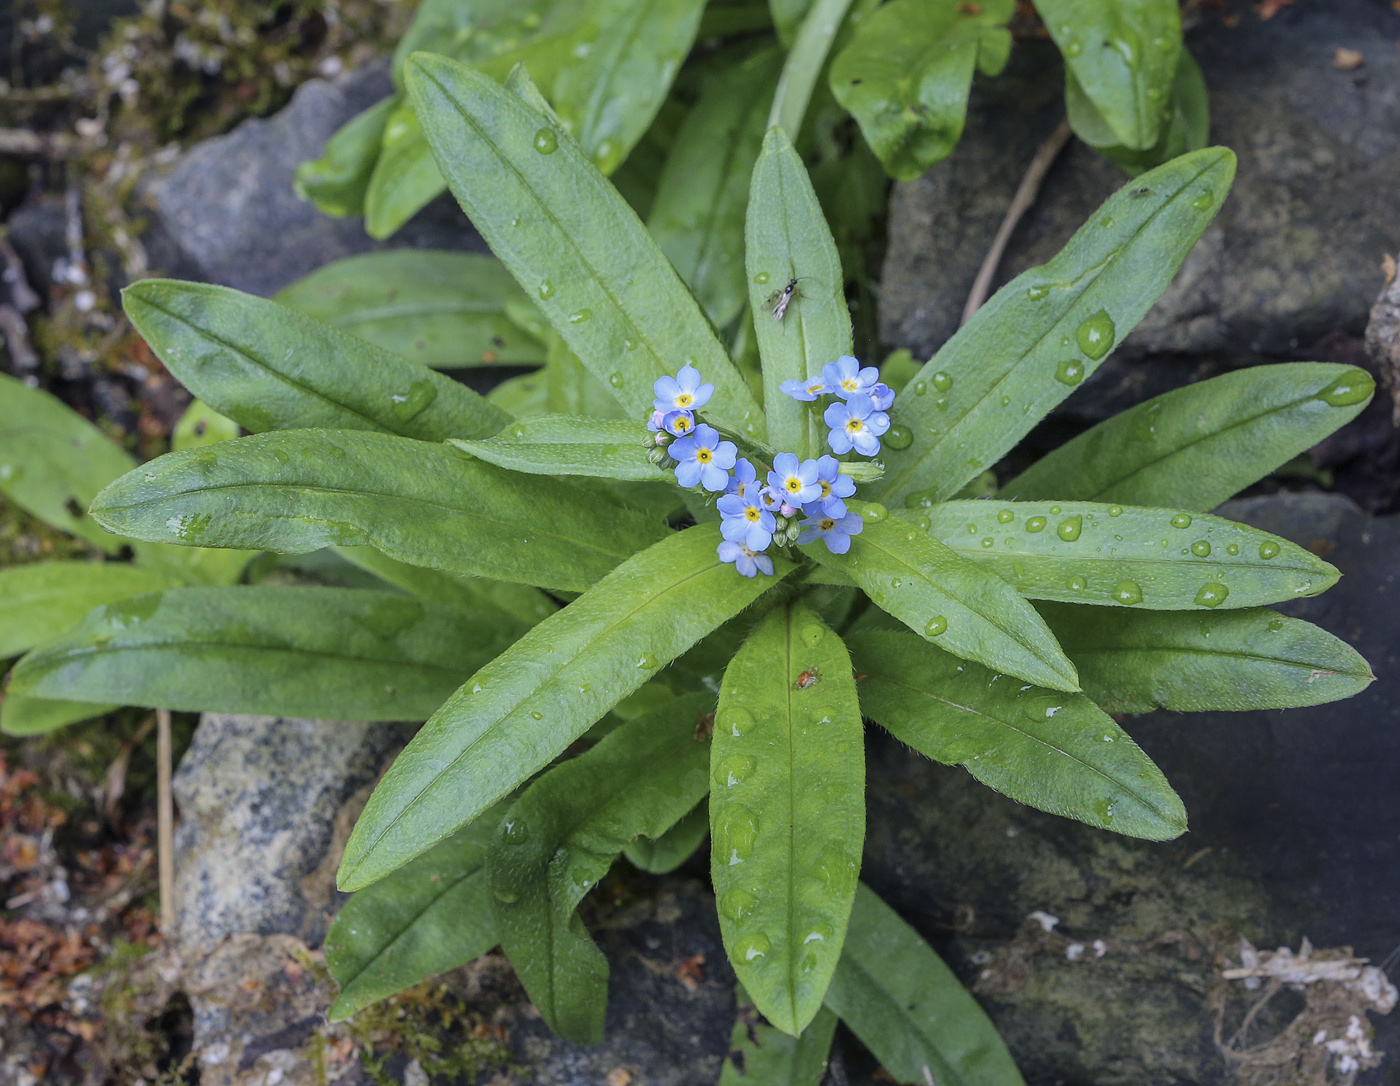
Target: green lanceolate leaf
[
  {"x": 336, "y": 182},
  {"x": 270, "y": 368},
  {"x": 561, "y": 836},
  {"x": 909, "y": 1009},
  {"x": 786, "y": 238},
  {"x": 906, "y": 74},
  {"x": 805, "y": 61},
  {"x": 787, "y": 17},
  {"x": 787, "y": 811},
  {"x": 1199, "y": 445},
  {"x": 430, "y": 916},
  {"x": 1123, "y": 54},
  {"x": 1058, "y": 752},
  {"x": 571, "y": 445},
  {"x": 968, "y": 610},
  {"x": 440, "y": 309},
  {"x": 1255, "y": 659},
  {"x": 1045, "y": 331},
  {"x": 1159, "y": 559},
  {"x": 330, "y": 653},
  {"x": 662, "y": 855},
  {"x": 39, "y": 716},
  {"x": 295, "y": 491},
  {"x": 698, "y": 215},
  {"x": 42, "y": 599},
  {"x": 760, "y": 1053},
  {"x": 471, "y": 30},
  {"x": 520, "y": 711},
  {"x": 610, "y": 91},
  {"x": 1186, "y": 126},
  {"x": 53, "y": 461},
  {"x": 405, "y": 178},
  {"x": 457, "y": 590},
  {"x": 568, "y": 237}
]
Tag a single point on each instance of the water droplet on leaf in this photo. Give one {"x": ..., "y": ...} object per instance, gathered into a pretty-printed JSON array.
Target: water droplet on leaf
[
  {"x": 1201, "y": 548},
  {"x": 1070, "y": 372},
  {"x": 1181, "y": 520},
  {"x": 935, "y": 626},
  {"x": 1268, "y": 549},
  {"x": 1128, "y": 592},
  {"x": 1095, "y": 335},
  {"x": 546, "y": 142},
  {"x": 1069, "y": 528},
  {"x": 1211, "y": 595},
  {"x": 1035, "y": 524}
]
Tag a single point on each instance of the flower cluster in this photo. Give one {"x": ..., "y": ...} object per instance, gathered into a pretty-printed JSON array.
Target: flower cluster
[
  {"x": 857, "y": 419},
  {"x": 793, "y": 502}
]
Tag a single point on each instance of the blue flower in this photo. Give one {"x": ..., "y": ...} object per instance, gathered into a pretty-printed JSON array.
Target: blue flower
[
  {"x": 703, "y": 458},
  {"x": 806, "y": 391},
  {"x": 744, "y": 474},
  {"x": 835, "y": 532},
  {"x": 683, "y": 392},
  {"x": 795, "y": 483},
  {"x": 770, "y": 499},
  {"x": 882, "y": 396},
  {"x": 747, "y": 561},
  {"x": 845, "y": 377},
  {"x": 746, "y": 521},
  {"x": 678, "y": 423},
  {"x": 855, "y": 424},
  {"x": 835, "y": 487}
]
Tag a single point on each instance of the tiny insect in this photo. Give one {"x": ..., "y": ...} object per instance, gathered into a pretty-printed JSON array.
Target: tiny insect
[
  {"x": 1142, "y": 191},
  {"x": 781, "y": 299},
  {"x": 806, "y": 679}
]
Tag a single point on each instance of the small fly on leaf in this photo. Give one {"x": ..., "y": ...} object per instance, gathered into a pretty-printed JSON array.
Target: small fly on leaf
[
  {"x": 1141, "y": 192},
  {"x": 781, "y": 299},
  {"x": 806, "y": 679}
]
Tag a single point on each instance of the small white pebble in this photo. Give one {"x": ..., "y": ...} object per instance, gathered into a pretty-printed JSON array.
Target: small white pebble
[
  {"x": 1044, "y": 919},
  {"x": 1074, "y": 951},
  {"x": 1319, "y": 1036},
  {"x": 1100, "y": 948}
]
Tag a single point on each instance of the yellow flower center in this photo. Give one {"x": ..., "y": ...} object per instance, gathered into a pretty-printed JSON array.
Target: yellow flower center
[
  {"x": 752, "y": 512},
  {"x": 827, "y": 524},
  {"x": 684, "y": 399},
  {"x": 682, "y": 425},
  {"x": 794, "y": 484},
  {"x": 850, "y": 384},
  {"x": 704, "y": 455},
  {"x": 826, "y": 488},
  {"x": 855, "y": 426}
]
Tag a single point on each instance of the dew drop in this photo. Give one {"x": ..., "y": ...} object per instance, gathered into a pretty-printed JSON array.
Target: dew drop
[
  {"x": 546, "y": 290},
  {"x": 737, "y": 904},
  {"x": 735, "y": 834},
  {"x": 615, "y": 379},
  {"x": 1233, "y": 549},
  {"x": 1268, "y": 549},
  {"x": 1275, "y": 625},
  {"x": 505, "y": 895},
  {"x": 988, "y": 541},
  {"x": 1201, "y": 548},
  {"x": 941, "y": 402},
  {"x": 1006, "y": 401},
  {"x": 935, "y": 626},
  {"x": 739, "y": 721},
  {"x": 896, "y": 583},
  {"x": 874, "y": 513},
  {"x": 581, "y": 316},
  {"x": 1351, "y": 388},
  {"x": 1069, "y": 528},
  {"x": 629, "y": 344},
  {"x": 1076, "y": 584},
  {"x": 924, "y": 523},
  {"x": 1181, "y": 520},
  {"x": 1035, "y": 524},
  {"x": 546, "y": 142},
  {"x": 820, "y": 933},
  {"x": 1073, "y": 47},
  {"x": 603, "y": 152},
  {"x": 761, "y": 278},
  {"x": 1115, "y": 510},
  {"x": 899, "y": 437},
  {"x": 734, "y": 770},
  {"x": 942, "y": 381},
  {"x": 1070, "y": 372},
  {"x": 646, "y": 662},
  {"x": 920, "y": 387},
  {"x": 1095, "y": 335},
  {"x": 1211, "y": 595},
  {"x": 1006, "y": 516},
  {"x": 1038, "y": 292},
  {"x": 515, "y": 831},
  {"x": 409, "y": 405},
  {"x": 1204, "y": 200},
  {"x": 537, "y": 715},
  {"x": 752, "y": 947},
  {"x": 1128, "y": 593}
]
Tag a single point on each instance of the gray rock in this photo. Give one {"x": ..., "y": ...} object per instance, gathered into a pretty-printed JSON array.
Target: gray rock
[
  {"x": 1293, "y": 833},
  {"x": 226, "y": 212},
  {"x": 265, "y": 805},
  {"x": 1295, "y": 251}
]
